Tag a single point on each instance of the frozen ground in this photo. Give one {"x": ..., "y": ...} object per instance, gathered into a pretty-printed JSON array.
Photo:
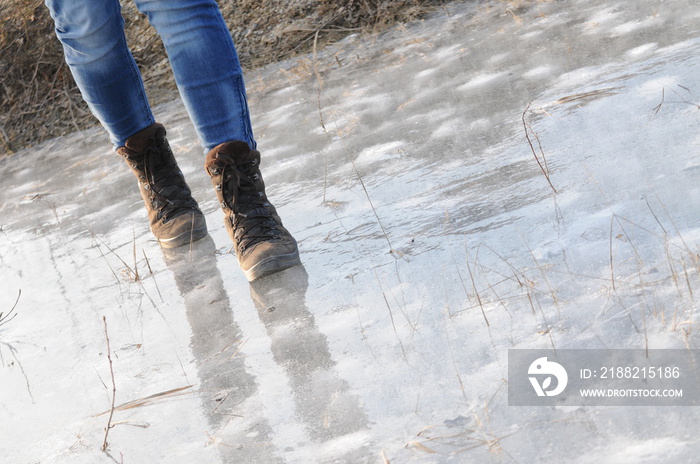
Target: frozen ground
[{"x": 431, "y": 241}]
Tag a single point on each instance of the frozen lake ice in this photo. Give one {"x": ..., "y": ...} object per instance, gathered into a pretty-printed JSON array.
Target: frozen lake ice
[{"x": 432, "y": 243}]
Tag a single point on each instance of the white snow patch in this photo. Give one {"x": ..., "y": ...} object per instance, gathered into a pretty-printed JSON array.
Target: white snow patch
[
  {"x": 449, "y": 128},
  {"x": 602, "y": 16},
  {"x": 580, "y": 76},
  {"x": 654, "y": 87},
  {"x": 632, "y": 26},
  {"x": 685, "y": 45},
  {"x": 642, "y": 50},
  {"x": 481, "y": 123},
  {"x": 384, "y": 151},
  {"x": 481, "y": 79},
  {"x": 447, "y": 53},
  {"x": 531, "y": 34},
  {"x": 498, "y": 57},
  {"x": 656, "y": 450},
  {"x": 426, "y": 73},
  {"x": 539, "y": 71}
]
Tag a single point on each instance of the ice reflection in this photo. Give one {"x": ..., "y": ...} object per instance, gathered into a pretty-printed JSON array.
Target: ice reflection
[
  {"x": 324, "y": 405},
  {"x": 225, "y": 382}
]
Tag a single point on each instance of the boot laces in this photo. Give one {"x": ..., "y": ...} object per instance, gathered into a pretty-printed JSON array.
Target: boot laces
[
  {"x": 169, "y": 193},
  {"x": 251, "y": 219}
]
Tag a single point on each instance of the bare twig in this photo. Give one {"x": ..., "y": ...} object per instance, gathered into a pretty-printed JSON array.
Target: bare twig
[
  {"x": 136, "y": 269},
  {"x": 114, "y": 388},
  {"x": 612, "y": 264},
  {"x": 391, "y": 314},
  {"x": 4, "y": 319},
  {"x": 320, "y": 114},
  {"x": 476, "y": 292},
  {"x": 148, "y": 264},
  {"x": 663, "y": 98},
  {"x": 319, "y": 80},
  {"x": 542, "y": 166},
  {"x": 682, "y": 99}
]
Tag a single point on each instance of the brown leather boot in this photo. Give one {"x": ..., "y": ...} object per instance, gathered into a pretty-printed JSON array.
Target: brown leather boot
[
  {"x": 175, "y": 217},
  {"x": 262, "y": 244}
]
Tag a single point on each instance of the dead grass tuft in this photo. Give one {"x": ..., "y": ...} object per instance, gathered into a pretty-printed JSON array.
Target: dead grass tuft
[{"x": 39, "y": 99}]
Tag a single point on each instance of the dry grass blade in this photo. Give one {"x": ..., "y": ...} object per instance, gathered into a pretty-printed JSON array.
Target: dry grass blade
[
  {"x": 663, "y": 99},
  {"x": 420, "y": 446},
  {"x": 5, "y": 318},
  {"x": 148, "y": 399},
  {"x": 319, "y": 80},
  {"x": 139, "y": 424},
  {"x": 476, "y": 292},
  {"x": 385, "y": 460},
  {"x": 451, "y": 441},
  {"x": 612, "y": 262},
  {"x": 240, "y": 347},
  {"x": 542, "y": 164},
  {"x": 128, "y": 268},
  {"x": 518, "y": 20},
  {"x": 391, "y": 314},
  {"x": 587, "y": 95}
]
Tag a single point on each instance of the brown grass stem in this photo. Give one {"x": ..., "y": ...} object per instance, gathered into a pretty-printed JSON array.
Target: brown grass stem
[
  {"x": 347, "y": 151},
  {"x": 476, "y": 292},
  {"x": 114, "y": 387},
  {"x": 612, "y": 264},
  {"x": 542, "y": 164},
  {"x": 5, "y": 318},
  {"x": 391, "y": 314}
]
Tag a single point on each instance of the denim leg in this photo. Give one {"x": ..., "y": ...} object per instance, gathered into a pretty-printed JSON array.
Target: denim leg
[
  {"x": 92, "y": 35},
  {"x": 206, "y": 67}
]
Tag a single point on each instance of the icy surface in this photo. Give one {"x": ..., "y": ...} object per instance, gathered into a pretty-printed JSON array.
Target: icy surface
[{"x": 431, "y": 239}]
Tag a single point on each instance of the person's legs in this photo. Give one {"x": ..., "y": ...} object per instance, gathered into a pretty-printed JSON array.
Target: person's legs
[
  {"x": 94, "y": 44},
  {"x": 92, "y": 35},
  {"x": 206, "y": 67},
  {"x": 209, "y": 77}
]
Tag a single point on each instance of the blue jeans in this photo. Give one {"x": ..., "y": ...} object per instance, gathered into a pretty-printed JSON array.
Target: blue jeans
[{"x": 202, "y": 56}]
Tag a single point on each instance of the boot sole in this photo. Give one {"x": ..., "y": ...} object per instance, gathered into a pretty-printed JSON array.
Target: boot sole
[
  {"x": 183, "y": 239},
  {"x": 272, "y": 265}
]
